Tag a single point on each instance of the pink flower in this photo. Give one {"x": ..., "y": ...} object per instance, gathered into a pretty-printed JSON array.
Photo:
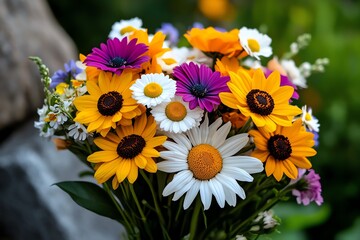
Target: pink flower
[{"x": 308, "y": 188}]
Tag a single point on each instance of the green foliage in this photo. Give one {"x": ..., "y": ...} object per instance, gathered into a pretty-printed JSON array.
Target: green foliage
[{"x": 90, "y": 196}]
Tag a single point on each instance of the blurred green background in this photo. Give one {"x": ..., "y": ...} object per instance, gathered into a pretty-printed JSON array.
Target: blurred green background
[{"x": 333, "y": 95}]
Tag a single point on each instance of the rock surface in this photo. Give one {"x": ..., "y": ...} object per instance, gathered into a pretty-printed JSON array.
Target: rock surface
[
  {"x": 28, "y": 28},
  {"x": 30, "y": 206}
]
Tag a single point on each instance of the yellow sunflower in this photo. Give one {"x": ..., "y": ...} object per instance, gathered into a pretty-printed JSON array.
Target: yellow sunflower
[
  {"x": 210, "y": 40},
  {"x": 125, "y": 151},
  {"x": 284, "y": 150},
  {"x": 261, "y": 98},
  {"x": 109, "y": 102}
]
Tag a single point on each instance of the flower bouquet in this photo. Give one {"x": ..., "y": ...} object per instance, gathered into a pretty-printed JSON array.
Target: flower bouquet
[{"x": 189, "y": 139}]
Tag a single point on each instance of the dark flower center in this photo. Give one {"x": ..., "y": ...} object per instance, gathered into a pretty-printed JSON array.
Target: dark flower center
[
  {"x": 130, "y": 146},
  {"x": 198, "y": 90},
  {"x": 109, "y": 103},
  {"x": 117, "y": 62},
  {"x": 279, "y": 147},
  {"x": 260, "y": 102}
]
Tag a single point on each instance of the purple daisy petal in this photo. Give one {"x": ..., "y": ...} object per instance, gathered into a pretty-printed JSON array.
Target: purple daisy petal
[
  {"x": 71, "y": 70},
  {"x": 199, "y": 85},
  {"x": 117, "y": 55},
  {"x": 309, "y": 188}
]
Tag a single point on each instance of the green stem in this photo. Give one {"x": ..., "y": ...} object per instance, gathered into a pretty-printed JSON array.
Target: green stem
[
  {"x": 194, "y": 219},
  {"x": 126, "y": 223},
  {"x": 267, "y": 206},
  {"x": 133, "y": 194},
  {"x": 153, "y": 193}
]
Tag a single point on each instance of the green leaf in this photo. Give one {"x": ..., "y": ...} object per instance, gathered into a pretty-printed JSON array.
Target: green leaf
[{"x": 90, "y": 196}]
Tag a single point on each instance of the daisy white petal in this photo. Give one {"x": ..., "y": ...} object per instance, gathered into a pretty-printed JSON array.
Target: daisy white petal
[{"x": 205, "y": 167}]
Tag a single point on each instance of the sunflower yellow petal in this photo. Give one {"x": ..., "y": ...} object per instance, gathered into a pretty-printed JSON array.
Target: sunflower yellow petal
[
  {"x": 156, "y": 141},
  {"x": 93, "y": 88},
  {"x": 123, "y": 170},
  {"x": 106, "y": 170},
  {"x": 151, "y": 166},
  {"x": 133, "y": 173},
  {"x": 105, "y": 144},
  {"x": 150, "y": 152},
  {"x": 102, "y": 156},
  {"x": 140, "y": 161}
]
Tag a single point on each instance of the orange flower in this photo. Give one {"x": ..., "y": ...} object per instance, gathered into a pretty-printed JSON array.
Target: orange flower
[
  {"x": 155, "y": 49},
  {"x": 210, "y": 40},
  {"x": 236, "y": 118}
]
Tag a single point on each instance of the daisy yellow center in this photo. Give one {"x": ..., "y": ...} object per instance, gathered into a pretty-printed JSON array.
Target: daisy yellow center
[
  {"x": 204, "y": 161},
  {"x": 130, "y": 146},
  {"x": 308, "y": 117},
  {"x": 254, "y": 45},
  {"x": 260, "y": 102},
  {"x": 279, "y": 147},
  {"x": 110, "y": 103},
  {"x": 175, "y": 111},
  {"x": 127, "y": 29},
  {"x": 153, "y": 90}
]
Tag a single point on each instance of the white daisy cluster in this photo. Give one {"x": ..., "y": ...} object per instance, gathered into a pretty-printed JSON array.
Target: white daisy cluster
[
  {"x": 265, "y": 220},
  {"x": 58, "y": 110}
]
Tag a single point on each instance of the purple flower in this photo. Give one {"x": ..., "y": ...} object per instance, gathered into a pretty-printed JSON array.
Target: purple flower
[
  {"x": 171, "y": 32},
  {"x": 308, "y": 188},
  {"x": 199, "y": 85},
  {"x": 316, "y": 138},
  {"x": 284, "y": 81},
  {"x": 71, "y": 70},
  {"x": 117, "y": 55}
]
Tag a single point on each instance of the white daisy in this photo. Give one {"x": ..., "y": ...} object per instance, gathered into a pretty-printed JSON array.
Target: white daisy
[
  {"x": 174, "y": 57},
  {"x": 203, "y": 162},
  {"x": 153, "y": 88},
  {"x": 309, "y": 120},
  {"x": 255, "y": 43},
  {"x": 77, "y": 131},
  {"x": 293, "y": 73},
  {"x": 125, "y": 27},
  {"x": 176, "y": 116}
]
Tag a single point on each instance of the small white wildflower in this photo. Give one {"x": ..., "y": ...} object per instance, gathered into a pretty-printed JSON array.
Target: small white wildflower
[
  {"x": 240, "y": 237},
  {"x": 77, "y": 131},
  {"x": 294, "y": 48},
  {"x": 267, "y": 219},
  {"x": 305, "y": 69},
  {"x": 309, "y": 120},
  {"x": 293, "y": 73}
]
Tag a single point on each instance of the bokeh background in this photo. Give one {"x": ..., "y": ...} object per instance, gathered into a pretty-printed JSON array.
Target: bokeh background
[{"x": 333, "y": 95}]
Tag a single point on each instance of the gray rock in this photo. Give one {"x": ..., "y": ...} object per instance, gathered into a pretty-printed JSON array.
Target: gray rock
[
  {"x": 28, "y": 28},
  {"x": 31, "y": 207}
]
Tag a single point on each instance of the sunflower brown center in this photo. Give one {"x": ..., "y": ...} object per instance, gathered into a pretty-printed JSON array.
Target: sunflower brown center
[
  {"x": 130, "y": 146},
  {"x": 110, "y": 103},
  {"x": 117, "y": 62},
  {"x": 204, "y": 161},
  {"x": 260, "y": 102},
  {"x": 198, "y": 90},
  {"x": 153, "y": 90},
  {"x": 279, "y": 147},
  {"x": 175, "y": 111}
]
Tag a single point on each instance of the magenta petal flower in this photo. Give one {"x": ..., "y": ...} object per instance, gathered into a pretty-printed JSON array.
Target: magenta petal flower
[
  {"x": 117, "y": 55},
  {"x": 199, "y": 85},
  {"x": 309, "y": 189}
]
